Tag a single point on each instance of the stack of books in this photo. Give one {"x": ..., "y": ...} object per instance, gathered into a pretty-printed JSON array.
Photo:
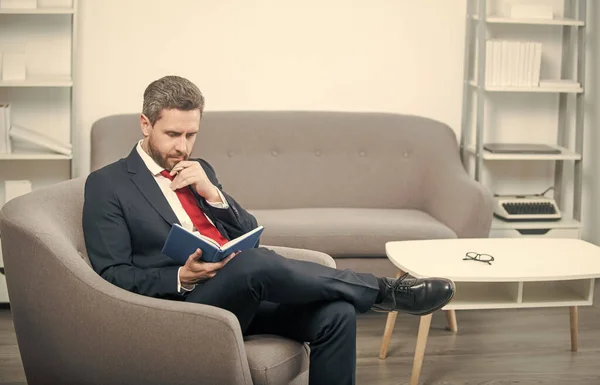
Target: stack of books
[
  {"x": 12, "y": 135},
  {"x": 512, "y": 63}
]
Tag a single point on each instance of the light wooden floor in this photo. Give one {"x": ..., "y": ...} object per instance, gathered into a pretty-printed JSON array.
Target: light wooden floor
[{"x": 492, "y": 347}]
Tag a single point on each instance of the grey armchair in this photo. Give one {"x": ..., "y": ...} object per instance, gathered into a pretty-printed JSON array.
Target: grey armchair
[{"x": 73, "y": 327}]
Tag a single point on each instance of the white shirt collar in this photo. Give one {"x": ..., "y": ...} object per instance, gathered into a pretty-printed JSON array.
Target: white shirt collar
[{"x": 154, "y": 168}]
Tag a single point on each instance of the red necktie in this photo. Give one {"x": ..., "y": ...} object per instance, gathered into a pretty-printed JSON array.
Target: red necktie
[{"x": 200, "y": 221}]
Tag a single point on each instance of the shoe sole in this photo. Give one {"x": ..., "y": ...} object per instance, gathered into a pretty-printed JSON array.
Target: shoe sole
[{"x": 440, "y": 305}]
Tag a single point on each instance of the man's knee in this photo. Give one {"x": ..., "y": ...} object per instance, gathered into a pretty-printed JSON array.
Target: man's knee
[
  {"x": 254, "y": 261},
  {"x": 339, "y": 315}
]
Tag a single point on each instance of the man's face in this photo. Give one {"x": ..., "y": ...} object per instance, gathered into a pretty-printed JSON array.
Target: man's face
[{"x": 172, "y": 137}]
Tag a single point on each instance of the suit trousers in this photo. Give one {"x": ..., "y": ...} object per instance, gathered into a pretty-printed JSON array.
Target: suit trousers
[{"x": 304, "y": 301}]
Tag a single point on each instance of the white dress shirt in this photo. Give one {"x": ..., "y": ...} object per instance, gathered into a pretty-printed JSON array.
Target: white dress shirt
[{"x": 164, "y": 185}]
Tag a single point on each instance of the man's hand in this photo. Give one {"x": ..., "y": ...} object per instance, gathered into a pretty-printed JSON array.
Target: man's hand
[
  {"x": 191, "y": 173},
  {"x": 195, "y": 270}
]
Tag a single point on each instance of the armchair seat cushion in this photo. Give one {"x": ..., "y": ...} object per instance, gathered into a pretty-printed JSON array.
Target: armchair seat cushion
[
  {"x": 348, "y": 232},
  {"x": 276, "y": 360}
]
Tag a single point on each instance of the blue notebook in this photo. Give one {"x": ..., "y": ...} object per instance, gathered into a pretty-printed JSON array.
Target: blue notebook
[{"x": 181, "y": 244}]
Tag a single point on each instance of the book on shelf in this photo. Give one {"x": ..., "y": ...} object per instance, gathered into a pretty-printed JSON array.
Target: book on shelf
[
  {"x": 19, "y": 133},
  {"x": 5, "y": 147},
  {"x": 511, "y": 63}
]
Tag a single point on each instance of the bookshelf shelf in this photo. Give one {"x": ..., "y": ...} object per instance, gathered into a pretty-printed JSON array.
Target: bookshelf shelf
[
  {"x": 37, "y": 11},
  {"x": 34, "y": 156},
  {"x": 564, "y": 223},
  {"x": 48, "y": 81},
  {"x": 531, "y": 21},
  {"x": 563, "y": 228},
  {"x": 566, "y": 90},
  {"x": 565, "y": 154}
]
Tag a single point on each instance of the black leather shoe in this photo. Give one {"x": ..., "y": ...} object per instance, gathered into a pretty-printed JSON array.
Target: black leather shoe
[{"x": 415, "y": 296}]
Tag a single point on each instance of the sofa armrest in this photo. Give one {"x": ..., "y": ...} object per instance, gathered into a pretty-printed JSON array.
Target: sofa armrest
[
  {"x": 459, "y": 202},
  {"x": 304, "y": 255}
]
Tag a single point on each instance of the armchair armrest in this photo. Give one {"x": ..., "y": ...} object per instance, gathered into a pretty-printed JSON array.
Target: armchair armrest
[
  {"x": 461, "y": 203},
  {"x": 304, "y": 255},
  {"x": 109, "y": 335}
]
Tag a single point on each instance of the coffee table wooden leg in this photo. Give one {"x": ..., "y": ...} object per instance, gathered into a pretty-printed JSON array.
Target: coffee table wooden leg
[
  {"x": 574, "y": 320},
  {"x": 389, "y": 328},
  {"x": 387, "y": 334},
  {"x": 452, "y": 325},
  {"x": 420, "y": 349}
]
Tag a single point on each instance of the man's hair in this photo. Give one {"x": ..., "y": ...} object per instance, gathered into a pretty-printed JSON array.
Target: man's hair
[{"x": 171, "y": 92}]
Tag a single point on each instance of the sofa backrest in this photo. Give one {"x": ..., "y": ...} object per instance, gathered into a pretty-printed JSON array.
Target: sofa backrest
[{"x": 283, "y": 159}]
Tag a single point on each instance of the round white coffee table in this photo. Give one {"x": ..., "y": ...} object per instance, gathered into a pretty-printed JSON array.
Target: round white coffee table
[{"x": 525, "y": 273}]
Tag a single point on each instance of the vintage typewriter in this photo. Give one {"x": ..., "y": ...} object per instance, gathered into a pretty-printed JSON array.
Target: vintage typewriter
[{"x": 526, "y": 208}]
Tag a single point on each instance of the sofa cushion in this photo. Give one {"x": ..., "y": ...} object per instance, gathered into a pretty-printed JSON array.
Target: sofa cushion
[
  {"x": 276, "y": 360},
  {"x": 347, "y": 232}
]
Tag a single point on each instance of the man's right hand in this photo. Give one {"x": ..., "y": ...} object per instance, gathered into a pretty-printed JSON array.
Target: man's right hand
[{"x": 196, "y": 270}]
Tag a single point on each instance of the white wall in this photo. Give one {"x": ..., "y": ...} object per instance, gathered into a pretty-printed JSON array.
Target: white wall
[
  {"x": 400, "y": 56},
  {"x": 268, "y": 54}
]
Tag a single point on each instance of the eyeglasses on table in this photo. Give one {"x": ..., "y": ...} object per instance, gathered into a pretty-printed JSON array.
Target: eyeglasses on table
[{"x": 473, "y": 256}]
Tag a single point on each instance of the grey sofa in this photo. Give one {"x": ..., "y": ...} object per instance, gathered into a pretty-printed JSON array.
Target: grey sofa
[
  {"x": 73, "y": 327},
  {"x": 337, "y": 182}
]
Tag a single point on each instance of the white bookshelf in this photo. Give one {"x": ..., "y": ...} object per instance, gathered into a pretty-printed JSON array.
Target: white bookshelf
[
  {"x": 483, "y": 100},
  {"x": 43, "y": 101}
]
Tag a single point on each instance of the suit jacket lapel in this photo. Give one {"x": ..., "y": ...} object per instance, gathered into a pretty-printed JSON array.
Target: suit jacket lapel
[{"x": 143, "y": 179}]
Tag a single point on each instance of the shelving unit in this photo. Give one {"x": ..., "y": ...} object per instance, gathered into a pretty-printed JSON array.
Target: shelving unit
[
  {"x": 44, "y": 100},
  {"x": 476, "y": 95}
]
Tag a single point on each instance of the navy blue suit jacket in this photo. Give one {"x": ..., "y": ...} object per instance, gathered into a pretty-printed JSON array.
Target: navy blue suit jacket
[{"x": 126, "y": 220}]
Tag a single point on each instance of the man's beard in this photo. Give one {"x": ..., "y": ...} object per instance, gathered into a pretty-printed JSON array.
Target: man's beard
[{"x": 163, "y": 160}]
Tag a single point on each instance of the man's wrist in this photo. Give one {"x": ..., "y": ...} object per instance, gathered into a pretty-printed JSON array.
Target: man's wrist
[
  {"x": 181, "y": 287},
  {"x": 215, "y": 197}
]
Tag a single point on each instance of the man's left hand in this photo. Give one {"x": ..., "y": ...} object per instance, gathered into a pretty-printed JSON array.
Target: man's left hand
[{"x": 191, "y": 173}]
